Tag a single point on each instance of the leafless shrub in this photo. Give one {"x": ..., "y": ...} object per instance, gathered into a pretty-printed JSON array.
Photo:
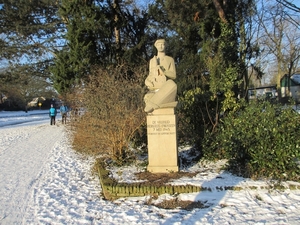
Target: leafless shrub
[{"x": 113, "y": 100}]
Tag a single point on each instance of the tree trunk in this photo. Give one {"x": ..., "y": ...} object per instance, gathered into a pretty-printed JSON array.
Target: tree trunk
[{"x": 220, "y": 11}]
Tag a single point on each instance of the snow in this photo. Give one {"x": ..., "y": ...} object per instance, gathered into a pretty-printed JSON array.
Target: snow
[
  {"x": 44, "y": 181},
  {"x": 21, "y": 118}
]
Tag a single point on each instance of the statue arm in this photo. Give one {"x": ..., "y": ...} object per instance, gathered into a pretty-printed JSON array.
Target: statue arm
[
  {"x": 170, "y": 72},
  {"x": 149, "y": 82},
  {"x": 152, "y": 64}
]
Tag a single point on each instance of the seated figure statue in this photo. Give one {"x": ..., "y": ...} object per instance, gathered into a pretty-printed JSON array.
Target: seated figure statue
[{"x": 162, "y": 89}]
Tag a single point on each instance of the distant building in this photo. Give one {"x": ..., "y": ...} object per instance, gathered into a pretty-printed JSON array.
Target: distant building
[
  {"x": 35, "y": 101},
  {"x": 290, "y": 87},
  {"x": 265, "y": 92}
]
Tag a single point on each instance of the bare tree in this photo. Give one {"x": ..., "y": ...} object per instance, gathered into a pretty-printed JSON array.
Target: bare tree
[
  {"x": 280, "y": 38},
  {"x": 292, "y": 7},
  {"x": 289, "y": 5}
]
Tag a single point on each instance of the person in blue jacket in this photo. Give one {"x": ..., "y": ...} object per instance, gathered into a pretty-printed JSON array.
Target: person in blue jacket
[
  {"x": 63, "y": 111},
  {"x": 52, "y": 114}
]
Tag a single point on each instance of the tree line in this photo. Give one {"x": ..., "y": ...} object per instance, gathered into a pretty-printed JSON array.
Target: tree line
[{"x": 47, "y": 44}]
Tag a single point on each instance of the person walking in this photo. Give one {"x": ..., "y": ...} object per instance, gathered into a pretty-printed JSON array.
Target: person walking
[
  {"x": 52, "y": 114},
  {"x": 63, "y": 111}
]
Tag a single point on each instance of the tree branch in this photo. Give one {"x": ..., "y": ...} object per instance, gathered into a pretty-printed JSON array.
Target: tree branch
[{"x": 220, "y": 11}]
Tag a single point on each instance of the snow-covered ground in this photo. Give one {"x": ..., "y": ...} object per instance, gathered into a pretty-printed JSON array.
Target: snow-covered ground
[
  {"x": 21, "y": 118},
  {"x": 43, "y": 181}
]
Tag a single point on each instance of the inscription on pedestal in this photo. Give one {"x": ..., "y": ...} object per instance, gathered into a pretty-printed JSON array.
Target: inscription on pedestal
[
  {"x": 161, "y": 127},
  {"x": 162, "y": 143}
]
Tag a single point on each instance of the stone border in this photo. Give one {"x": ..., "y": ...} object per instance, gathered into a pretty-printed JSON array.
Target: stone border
[{"x": 113, "y": 190}]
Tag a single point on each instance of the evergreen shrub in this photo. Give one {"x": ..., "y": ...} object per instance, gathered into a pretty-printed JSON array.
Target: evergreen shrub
[
  {"x": 262, "y": 140},
  {"x": 197, "y": 113}
]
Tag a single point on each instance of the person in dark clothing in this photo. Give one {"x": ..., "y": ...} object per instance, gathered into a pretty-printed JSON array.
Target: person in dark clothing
[
  {"x": 52, "y": 114},
  {"x": 63, "y": 111}
]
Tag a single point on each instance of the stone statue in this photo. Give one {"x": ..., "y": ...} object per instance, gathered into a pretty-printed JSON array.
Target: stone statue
[{"x": 162, "y": 88}]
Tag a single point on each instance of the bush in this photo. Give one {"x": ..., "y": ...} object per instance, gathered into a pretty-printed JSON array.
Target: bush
[
  {"x": 198, "y": 114},
  {"x": 113, "y": 99},
  {"x": 262, "y": 140}
]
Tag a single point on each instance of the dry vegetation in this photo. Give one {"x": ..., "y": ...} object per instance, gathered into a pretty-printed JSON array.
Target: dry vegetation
[
  {"x": 162, "y": 178},
  {"x": 113, "y": 113},
  {"x": 175, "y": 203}
]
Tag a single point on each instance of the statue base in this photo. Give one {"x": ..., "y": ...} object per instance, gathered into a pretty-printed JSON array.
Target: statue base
[{"x": 162, "y": 141}]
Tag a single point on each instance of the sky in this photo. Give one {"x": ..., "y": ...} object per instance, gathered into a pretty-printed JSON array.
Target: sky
[{"x": 44, "y": 181}]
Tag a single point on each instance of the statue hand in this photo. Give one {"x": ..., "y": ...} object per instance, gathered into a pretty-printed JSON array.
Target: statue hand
[
  {"x": 149, "y": 83},
  {"x": 160, "y": 71}
]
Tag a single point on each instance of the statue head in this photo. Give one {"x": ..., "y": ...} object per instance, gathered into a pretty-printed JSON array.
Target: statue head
[{"x": 160, "y": 44}]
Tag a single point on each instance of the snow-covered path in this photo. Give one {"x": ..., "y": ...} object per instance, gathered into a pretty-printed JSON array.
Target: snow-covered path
[
  {"x": 44, "y": 181},
  {"x": 23, "y": 153}
]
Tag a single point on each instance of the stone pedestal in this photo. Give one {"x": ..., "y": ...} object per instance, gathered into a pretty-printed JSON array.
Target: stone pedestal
[{"x": 162, "y": 141}]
